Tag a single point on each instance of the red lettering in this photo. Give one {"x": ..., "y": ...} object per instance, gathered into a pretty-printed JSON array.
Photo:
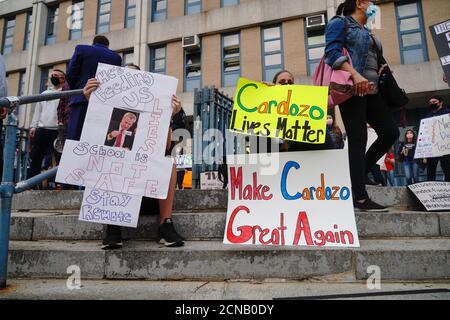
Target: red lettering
[
  {"x": 245, "y": 231},
  {"x": 236, "y": 182},
  {"x": 303, "y": 226}
]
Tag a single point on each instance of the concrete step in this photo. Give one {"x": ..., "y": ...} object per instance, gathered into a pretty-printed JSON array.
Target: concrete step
[
  {"x": 398, "y": 259},
  {"x": 211, "y": 225},
  {"x": 267, "y": 289},
  {"x": 192, "y": 199}
]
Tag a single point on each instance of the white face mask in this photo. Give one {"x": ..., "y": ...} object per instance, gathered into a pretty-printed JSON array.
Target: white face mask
[{"x": 329, "y": 122}]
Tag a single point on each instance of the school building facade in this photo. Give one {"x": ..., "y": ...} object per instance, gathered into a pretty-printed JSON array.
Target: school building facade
[{"x": 213, "y": 42}]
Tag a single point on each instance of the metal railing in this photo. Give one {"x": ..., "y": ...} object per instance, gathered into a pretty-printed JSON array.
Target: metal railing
[
  {"x": 11, "y": 182},
  {"x": 212, "y": 110}
]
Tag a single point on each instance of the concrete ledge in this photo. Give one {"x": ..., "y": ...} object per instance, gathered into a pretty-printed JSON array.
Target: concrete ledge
[
  {"x": 191, "y": 199},
  {"x": 51, "y": 259},
  {"x": 415, "y": 259},
  {"x": 209, "y": 260},
  {"x": 211, "y": 226}
]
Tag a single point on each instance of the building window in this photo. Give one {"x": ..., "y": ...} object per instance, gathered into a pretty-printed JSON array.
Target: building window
[
  {"x": 411, "y": 32},
  {"x": 227, "y": 3},
  {"x": 45, "y": 72},
  {"x": 272, "y": 49},
  {"x": 315, "y": 47},
  {"x": 130, "y": 14},
  {"x": 158, "y": 60},
  {"x": 192, "y": 69},
  {"x": 103, "y": 16},
  {"x": 76, "y": 20},
  {"x": 52, "y": 19},
  {"x": 231, "y": 60},
  {"x": 159, "y": 10},
  {"x": 26, "y": 42},
  {"x": 192, "y": 6},
  {"x": 127, "y": 57},
  {"x": 8, "y": 36}
]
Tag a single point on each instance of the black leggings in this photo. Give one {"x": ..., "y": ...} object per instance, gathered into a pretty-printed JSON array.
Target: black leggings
[{"x": 356, "y": 112}]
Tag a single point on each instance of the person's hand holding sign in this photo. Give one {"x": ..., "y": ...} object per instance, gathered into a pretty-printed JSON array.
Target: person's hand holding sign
[
  {"x": 90, "y": 87},
  {"x": 176, "y": 105}
]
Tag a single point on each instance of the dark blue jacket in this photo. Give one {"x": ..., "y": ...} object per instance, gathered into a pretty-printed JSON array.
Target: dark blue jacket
[
  {"x": 83, "y": 66},
  {"x": 441, "y": 112},
  {"x": 346, "y": 32}
]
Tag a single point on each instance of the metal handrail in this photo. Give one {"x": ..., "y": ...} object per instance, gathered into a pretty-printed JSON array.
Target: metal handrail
[{"x": 8, "y": 185}]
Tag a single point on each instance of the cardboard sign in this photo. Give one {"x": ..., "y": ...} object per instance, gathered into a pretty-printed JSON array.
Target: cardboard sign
[
  {"x": 210, "y": 181},
  {"x": 441, "y": 38},
  {"x": 121, "y": 153},
  {"x": 434, "y": 137},
  {"x": 434, "y": 195},
  {"x": 110, "y": 208},
  {"x": 308, "y": 202},
  {"x": 290, "y": 112}
]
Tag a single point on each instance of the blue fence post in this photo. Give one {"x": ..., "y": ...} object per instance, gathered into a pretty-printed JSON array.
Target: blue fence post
[{"x": 7, "y": 190}]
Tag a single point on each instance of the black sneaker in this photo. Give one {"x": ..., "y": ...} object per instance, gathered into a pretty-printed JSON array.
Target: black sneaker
[
  {"x": 370, "y": 182},
  {"x": 168, "y": 236},
  {"x": 113, "y": 238},
  {"x": 369, "y": 206}
]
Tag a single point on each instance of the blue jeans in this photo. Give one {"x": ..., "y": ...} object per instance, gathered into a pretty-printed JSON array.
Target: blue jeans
[
  {"x": 389, "y": 177},
  {"x": 411, "y": 171}
]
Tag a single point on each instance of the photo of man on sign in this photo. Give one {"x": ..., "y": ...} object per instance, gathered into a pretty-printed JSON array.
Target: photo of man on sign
[
  {"x": 291, "y": 112},
  {"x": 121, "y": 132}
]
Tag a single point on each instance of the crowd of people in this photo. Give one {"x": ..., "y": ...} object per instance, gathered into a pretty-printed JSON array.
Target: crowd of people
[{"x": 62, "y": 119}]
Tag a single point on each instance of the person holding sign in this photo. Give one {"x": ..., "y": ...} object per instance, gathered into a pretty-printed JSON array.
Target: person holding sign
[
  {"x": 437, "y": 109},
  {"x": 406, "y": 155},
  {"x": 367, "y": 105},
  {"x": 167, "y": 235}
]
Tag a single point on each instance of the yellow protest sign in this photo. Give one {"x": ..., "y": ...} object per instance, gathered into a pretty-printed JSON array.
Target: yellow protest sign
[{"x": 290, "y": 112}]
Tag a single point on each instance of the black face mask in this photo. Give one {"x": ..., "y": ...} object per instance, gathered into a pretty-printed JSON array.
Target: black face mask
[
  {"x": 434, "y": 106},
  {"x": 55, "y": 80}
]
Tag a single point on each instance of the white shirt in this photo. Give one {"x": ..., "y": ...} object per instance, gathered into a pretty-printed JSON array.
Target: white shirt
[{"x": 46, "y": 113}]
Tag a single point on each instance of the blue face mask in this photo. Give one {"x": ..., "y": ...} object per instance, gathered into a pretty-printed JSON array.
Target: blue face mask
[{"x": 372, "y": 11}]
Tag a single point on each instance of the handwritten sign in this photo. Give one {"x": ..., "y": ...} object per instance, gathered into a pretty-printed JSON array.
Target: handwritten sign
[
  {"x": 122, "y": 147},
  {"x": 434, "y": 137},
  {"x": 306, "y": 203},
  {"x": 110, "y": 208},
  {"x": 291, "y": 112},
  {"x": 183, "y": 161},
  {"x": 210, "y": 181},
  {"x": 441, "y": 38},
  {"x": 434, "y": 195}
]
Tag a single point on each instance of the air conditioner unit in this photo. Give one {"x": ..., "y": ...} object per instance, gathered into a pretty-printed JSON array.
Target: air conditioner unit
[
  {"x": 315, "y": 22},
  {"x": 191, "y": 42}
]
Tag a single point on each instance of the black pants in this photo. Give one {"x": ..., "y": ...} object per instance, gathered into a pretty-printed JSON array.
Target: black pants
[
  {"x": 180, "y": 177},
  {"x": 432, "y": 166},
  {"x": 42, "y": 144},
  {"x": 356, "y": 113}
]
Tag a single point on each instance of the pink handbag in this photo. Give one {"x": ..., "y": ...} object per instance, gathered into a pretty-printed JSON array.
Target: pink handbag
[{"x": 340, "y": 82}]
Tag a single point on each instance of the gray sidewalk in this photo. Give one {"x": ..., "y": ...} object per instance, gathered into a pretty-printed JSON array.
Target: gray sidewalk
[{"x": 46, "y": 289}]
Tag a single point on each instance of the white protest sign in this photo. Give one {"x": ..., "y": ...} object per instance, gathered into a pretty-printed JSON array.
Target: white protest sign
[
  {"x": 183, "y": 161},
  {"x": 132, "y": 89},
  {"x": 434, "y": 195},
  {"x": 122, "y": 146},
  {"x": 371, "y": 138},
  {"x": 434, "y": 137},
  {"x": 108, "y": 207},
  {"x": 113, "y": 169},
  {"x": 308, "y": 202},
  {"x": 210, "y": 181}
]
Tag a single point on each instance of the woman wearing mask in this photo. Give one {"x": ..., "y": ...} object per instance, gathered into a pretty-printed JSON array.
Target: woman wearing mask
[
  {"x": 406, "y": 155},
  {"x": 367, "y": 105}
]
